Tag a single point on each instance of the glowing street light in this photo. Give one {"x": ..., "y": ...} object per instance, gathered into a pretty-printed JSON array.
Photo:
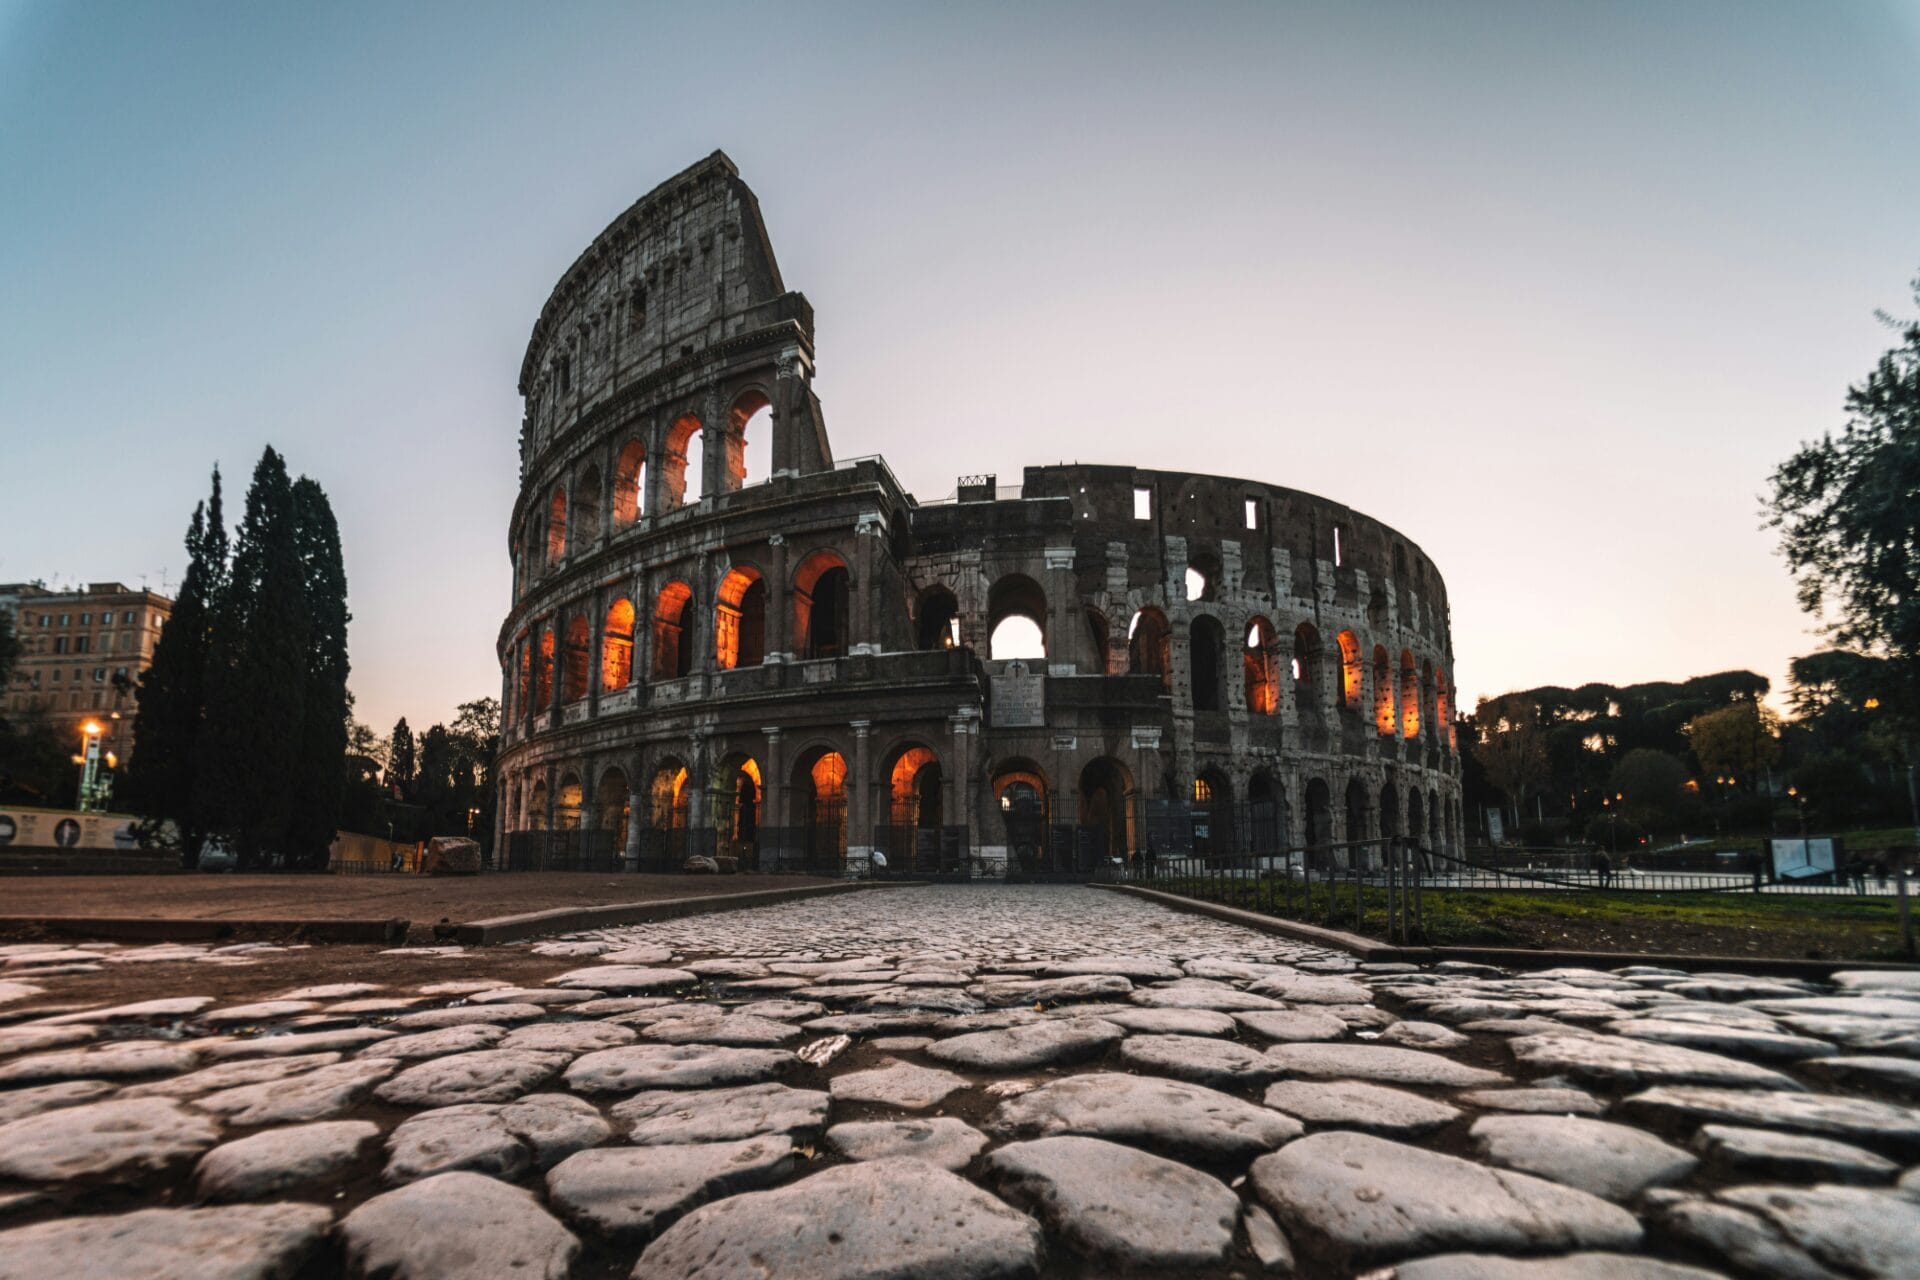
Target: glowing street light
[{"x": 89, "y": 765}]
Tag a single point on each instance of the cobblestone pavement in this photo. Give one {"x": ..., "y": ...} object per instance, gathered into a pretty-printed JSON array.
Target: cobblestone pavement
[{"x": 949, "y": 1084}]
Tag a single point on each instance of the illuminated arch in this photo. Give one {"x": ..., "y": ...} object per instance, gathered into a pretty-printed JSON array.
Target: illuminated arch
[
  {"x": 673, "y": 632},
  {"x": 629, "y": 483},
  {"x": 937, "y": 620},
  {"x": 740, "y": 619},
  {"x": 616, "y": 647},
  {"x": 1016, "y": 618},
  {"x": 682, "y": 465},
  {"x": 1306, "y": 668},
  {"x": 557, "y": 526},
  {"x": 1148, "y": 645},
  {"x": 574, "y": 666},
  {"x": 1351, "y": 672},
  {"x": 749, "y": 443},
  {"x": 822, "y": 600},
  {"x": 1409, "y": 696},
  {"x": 1257, "y": 666},
  {"x": 1382, "y": 691}
]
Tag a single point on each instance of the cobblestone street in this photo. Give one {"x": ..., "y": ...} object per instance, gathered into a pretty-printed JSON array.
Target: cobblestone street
[{"x": 951, "y": 1083}]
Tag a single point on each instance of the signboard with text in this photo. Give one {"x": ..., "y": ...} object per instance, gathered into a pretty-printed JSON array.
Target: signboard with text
[
  {"x": 65, "y": 829},
  {"x": 1019, "y": 698}
]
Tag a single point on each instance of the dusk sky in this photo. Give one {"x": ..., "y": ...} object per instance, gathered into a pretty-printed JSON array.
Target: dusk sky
[{"x": 1548, "y": 288}]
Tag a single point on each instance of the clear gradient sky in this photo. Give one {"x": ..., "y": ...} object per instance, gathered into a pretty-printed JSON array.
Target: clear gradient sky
[{"x": 1548, "y": 287}]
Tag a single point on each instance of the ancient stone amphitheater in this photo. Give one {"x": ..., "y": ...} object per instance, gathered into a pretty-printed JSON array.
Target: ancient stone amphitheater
[{"x": 796, "y": 663}]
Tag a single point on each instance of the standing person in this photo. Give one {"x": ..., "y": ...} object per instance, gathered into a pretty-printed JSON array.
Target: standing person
[
  {"x": 1857, "y": 872},
  {"x": 1603, "y": 866}
]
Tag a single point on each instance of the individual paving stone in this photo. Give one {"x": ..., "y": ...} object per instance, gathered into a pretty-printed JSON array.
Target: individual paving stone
[
  {"x": 1618, "y": 1061},
  {"x": 1376, "y": 1201},
  {"x": 262, "y": 1011},
  {"x": 166, "y": 1010},
  {"x": 459, "y": 986},
  {"x": 280, "y": 1046},
  {"x": 898, "y": 1084},
  {"x": 1312, "y": 989},
  {"x": 1423, "y": 1035},
  {"x": 1358, "y": 1017},
  {"x": 570, "y": 948},
  {"x": 1199, "y": 1059},
  {"x": 900, "y": 1217},
  {"x": 123, "y": 1060},
  {"x": 1172, "y": 1117},
  {"x": 1888, "y": 1007},
  {"x": 435, "y": 1044},
  {"x": 662, "y": 1117},
  {"x": 1118, "y": 1205},
  {"x": 331, "y": 991},
  {"x": 899, "y": 1044},
  {"x": 233, "y": 1242},
  {"x": 1738, "y": 1042},
  {"x": 1878, "y": 980},
  {"x": 934, "y": 978},
  {"x": 725, "y": 967},
  {"x": 736, "y": 1030},
  {"x": 312, "y": 1095},
  {"x": 1894, "y": 1075},
  {"x": 1351, "y": 1104},
  {"x": 473, "y": 1138},
  {"x": 1196, "y": 994},
  {"x": 490, "y": 1075},
  {"x": 1005, "y": 994},
  {"x": 1573, "y": 1266},
  {"x": 500, "y": 1015},
  {"x": 12, "y": 991},
  {"x": 785, "y": 1010},
  {"x": 1536, "y": 1101},
  {"x": 1609, "y": 1160},
  {"x": 608, "y": 1006},
  {"x": 230, "y": 1075},
  {"x": 1136, "y": 968},
  {"x": 1382, "y": 1063},
  {"x": 631, "y": 1193},
  {"x": 555, "y": 1125},
  {"x": 545, "y": 997},
  {"x": 1022, "y": 1048},
  {"x": 457, "y": 1226},
  {"x": 1292, "y": 1026},
  {"x": 1766, "y": 1154},
  {"x": 1879, "y": 1125},
  {"x": 1219, "y": 967},
  {"x": 626, "y": 978},
  {"x": 18, "y": 1104},
  {"x": 116, "y": 1139},
  {"x": 1268, "y": 1243},
  {"x": 1172, "y": 1022},
  {"x": 675, "y": 1066},
  {"x": 35, "y": 1039},
  {"x": 570, "y": 1037},
  {"x": 942, "y": 1141},
  {"x": 642, "y": 955},
  {"x": 866, "y": 1024},
  {"x": 283, "y": 1160},
  {"x": 928, "y": 999},
  {"x": 1802, "y": 1231}
]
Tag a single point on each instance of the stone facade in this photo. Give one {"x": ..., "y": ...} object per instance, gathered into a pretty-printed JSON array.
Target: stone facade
[
  {"x": 815, "y": 661},
  {"x": 82, "y": 653}
]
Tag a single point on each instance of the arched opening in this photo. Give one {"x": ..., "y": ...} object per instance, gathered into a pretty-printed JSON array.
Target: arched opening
[
  {"x": 1266, "y": 815},
  {"x": 1358, "y": 809},
  {"x": 937, "y": 621},
  {"x": 613, "y": 800},
  {"x": 1319, "y": 814},
  {"x": 1096, "y": 638},
  {"x": 1382, "y": 691},
  {"x": 822, "y": 593},
  {"x": 1306, "y": 669},
  {"x": 913, "y": 789},
  {"x": 1377, "y": 609},
  {"x": 1148, "y": 645},
  {"x": 1409, "y": 696},
  {"x": 557, "y": 526},
  {"x": 749, "y": 441},
  {"x": 1197, "y": 586},
  {"x": 567, "y": 813},
  {"x": 1016, "y": 619},
  {"x": 543, "y": 670},
  {"x": 734, "y": 801},
  {"x": 1351, "y": 672},
  {"x": 629, "y": 484},
  {"x": 616, "y": 647},
  {"x": 586, "y": 510},
  {"x": 667, "y": 802},
  {"x": 537, "y": 806},
  {"x": 740, "y": 619},
  {"x": 1106, "y": 810},
  {"x": 1212, "y": 814},
  {"x": 1204, "y": 643},
  {"x": 682, "y": 466},
  {"x": 1414, "y": 816},
  {"x": 1020, "y": 790},
  {"x": 1389, "y": 811},
  {"x": 523, "y": 687},
  {"x": 574, "y": 672},
  {"x": 533, "y": 543},
  {"x": 820, "y": 787},
  {"x": 1443, "y": 709},
  {"x": 1427, "y": 703},
  {"x": 673, "y": 632},
  {"x": 1257, "y": 669}
]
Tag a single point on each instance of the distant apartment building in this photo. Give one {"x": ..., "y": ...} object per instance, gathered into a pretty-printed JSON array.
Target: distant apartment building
[{"x": 81, "y": 654}]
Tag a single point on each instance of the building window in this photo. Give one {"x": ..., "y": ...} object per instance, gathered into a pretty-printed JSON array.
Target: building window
[
  {"x": 1253, "y": 514},
  {"x": 82, "y": 644},
  {"x": 126, "y": 619},
  {"x": 66, "y": 619},
  {"x": 86, "y": 619},
  {"x": 1142, "y": 504},
  {"x": 99, "y": 674},
  {"x": 1337, "y": 554},
  {"x": 59, "y": 644}
]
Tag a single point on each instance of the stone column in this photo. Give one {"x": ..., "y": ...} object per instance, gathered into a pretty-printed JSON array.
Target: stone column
[
  {"x": 779, "y": 602},
  {"x": 859, "y": 796},
  {"x": 866, "y": 530},
  {"x": 596, "y": 649},
  {"x": 642, "y": 631},
  {"x": 1063, "y": 610},
  {"x": 589, "y": 792},
  {"x": 552, "y": 775},
  {"x": 636, "y": 808},
  {"x": 965, "y": 725},
  {"x": 654, "y": 487},
  {"x": 773, "y": 787},
  {"x": 557, "y": 680}
]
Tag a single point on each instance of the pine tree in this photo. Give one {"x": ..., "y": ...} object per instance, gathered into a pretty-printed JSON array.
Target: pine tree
[
  {"x": 159, "y": 783},
  {"x": 400, "y": 768},
  {"x": 257, "y": 676},
  {"x": 318, "y": 781}
]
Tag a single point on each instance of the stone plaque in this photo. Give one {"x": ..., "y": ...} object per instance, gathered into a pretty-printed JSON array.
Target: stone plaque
[{"x": 1019, "y": 698}]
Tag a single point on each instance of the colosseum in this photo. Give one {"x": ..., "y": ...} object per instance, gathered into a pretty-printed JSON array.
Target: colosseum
[{"x": 798, "y": 665}]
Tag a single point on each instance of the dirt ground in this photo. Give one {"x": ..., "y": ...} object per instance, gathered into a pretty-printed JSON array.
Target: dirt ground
[{"x": 460, "y": 899}]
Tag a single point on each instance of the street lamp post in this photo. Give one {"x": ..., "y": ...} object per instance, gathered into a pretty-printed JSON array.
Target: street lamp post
[{"x": 89, "y": 764}]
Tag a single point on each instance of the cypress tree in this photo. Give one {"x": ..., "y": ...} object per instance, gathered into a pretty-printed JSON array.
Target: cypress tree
[
  {"x": 256, "y": 675},
  {"x": 159, "y": 783},
  {"x": 400, "y": 768},
  {"x": 318, "y": 781}
]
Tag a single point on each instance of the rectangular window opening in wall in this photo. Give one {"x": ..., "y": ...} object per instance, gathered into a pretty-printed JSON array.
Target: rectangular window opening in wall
[
  {"x": 1337, "y": 560},
  {"x": 1253, "y": 514},
  {"x": 1142, "y": 504}
]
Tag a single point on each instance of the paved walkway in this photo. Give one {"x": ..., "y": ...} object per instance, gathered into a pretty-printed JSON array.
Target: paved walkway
[{"x": 954, "y": 1083}]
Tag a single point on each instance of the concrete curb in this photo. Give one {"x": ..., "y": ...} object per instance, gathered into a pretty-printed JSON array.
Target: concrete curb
[
  {"x": 573, "y": 919},
  {"x": 1373, "y": 950},
  {"x": 143, "y": 929}
]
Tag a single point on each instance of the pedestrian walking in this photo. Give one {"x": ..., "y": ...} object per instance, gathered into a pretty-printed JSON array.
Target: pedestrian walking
[{"x": 1603, "y": 867}]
